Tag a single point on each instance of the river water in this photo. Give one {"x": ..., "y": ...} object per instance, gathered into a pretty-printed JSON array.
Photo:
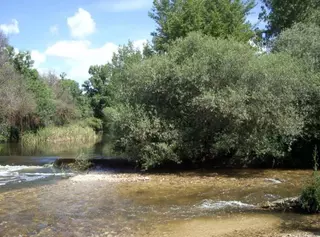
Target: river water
[{"x": 37, "y": 199}]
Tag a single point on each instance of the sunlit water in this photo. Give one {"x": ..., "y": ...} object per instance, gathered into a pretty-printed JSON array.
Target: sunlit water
[
  {"x": 12, "y": 174},
  {"x": 20, "y": 164},
  {"x": 37, "y": 199}
]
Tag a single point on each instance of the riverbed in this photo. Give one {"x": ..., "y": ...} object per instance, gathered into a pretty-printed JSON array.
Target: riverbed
[{"x": 198, "y": 203}]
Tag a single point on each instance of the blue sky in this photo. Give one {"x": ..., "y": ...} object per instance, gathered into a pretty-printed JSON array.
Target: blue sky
[{"x": 70, "y": 35}]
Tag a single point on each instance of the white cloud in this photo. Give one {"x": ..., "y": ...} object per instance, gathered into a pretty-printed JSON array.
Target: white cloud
[
  {"x": 43, "y": 70},
  {"x": 69, "y": 49},
  {"x": 139, "y": 44},
  {"x": 16, "y": 50},
  {"x": 79, "y": 55},
  {"x": 123, "y": 5},
  {"x": 11, "y": 28},
  {"x": 54, "y": 30},
  {"x": 81, "y": 24},
  {"x": 38, "y": 58}
]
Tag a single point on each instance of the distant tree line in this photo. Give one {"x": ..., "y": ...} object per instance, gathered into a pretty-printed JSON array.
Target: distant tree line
[{"x": 30, "y": 101}]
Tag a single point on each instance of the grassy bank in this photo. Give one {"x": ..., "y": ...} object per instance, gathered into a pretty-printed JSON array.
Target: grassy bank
[{"x": 70, "y": 133}]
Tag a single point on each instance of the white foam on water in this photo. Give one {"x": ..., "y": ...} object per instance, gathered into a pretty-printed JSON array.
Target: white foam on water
[
  {"x": 217, "y": 205},
  {"x": 17, "y": 174},
  {"x": 48, "y": 174},
  {"x": 11, "y": 168}
]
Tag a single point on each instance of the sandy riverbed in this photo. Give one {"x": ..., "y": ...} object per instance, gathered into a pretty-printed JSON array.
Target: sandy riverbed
[{"x": 142, "y": 205}]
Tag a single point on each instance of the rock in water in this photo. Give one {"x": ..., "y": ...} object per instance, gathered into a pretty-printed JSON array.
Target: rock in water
[
  {"x": 282, "y": 204},
  {"x": 275, "y": 181}
]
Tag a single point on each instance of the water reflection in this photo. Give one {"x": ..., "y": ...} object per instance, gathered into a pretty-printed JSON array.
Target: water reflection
[{"x": 100, "y": 147}]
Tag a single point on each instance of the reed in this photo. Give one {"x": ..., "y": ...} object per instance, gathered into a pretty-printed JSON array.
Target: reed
[{"x": 65, "y": 134}]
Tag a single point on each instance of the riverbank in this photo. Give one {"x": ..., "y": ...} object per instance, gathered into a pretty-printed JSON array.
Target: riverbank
[{"x": 182, "y": 204}]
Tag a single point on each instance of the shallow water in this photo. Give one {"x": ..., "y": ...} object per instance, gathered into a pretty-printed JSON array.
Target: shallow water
[
  {"x": 138, "y": 205},
  {"x": 20, "y": 169},
  {"x": 20, "y": 164},
  {"x": 38, "y": 200}
]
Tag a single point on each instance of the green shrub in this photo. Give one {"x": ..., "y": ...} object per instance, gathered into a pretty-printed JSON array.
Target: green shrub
[
  {"x": 4, "y": 133},
  {"x": 94, "y": 123},
  {"x": 210, "y": 98},
  {"x": 145, "y": 138},
  {"x": 310, "y": 197},
  {"x": 301, "y": 41}
]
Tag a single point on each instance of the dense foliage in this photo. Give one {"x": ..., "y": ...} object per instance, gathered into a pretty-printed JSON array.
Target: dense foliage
[
  {"x": 212, "y": 97},
  {"x": 30, "y": 101},
  {"x": 301, "y": 41},
  {"x": 209, "y": 98},
  {"x": 310, "y": 197},
  {"x": 218, "y": 18},
  {"x": 283, "y": 14},
  {"x": 200, "y": 93}
]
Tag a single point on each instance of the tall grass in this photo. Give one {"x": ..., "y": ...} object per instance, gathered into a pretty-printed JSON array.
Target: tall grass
[{"x": 71, "y": 133}]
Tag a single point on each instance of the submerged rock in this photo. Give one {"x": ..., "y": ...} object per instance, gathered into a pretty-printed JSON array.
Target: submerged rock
[
  {"x": 275, "y": 181},
  {"x": 217, "y": 205},
  {"x": 271, "y": 196},
  {"x": 282, "y": 204}
]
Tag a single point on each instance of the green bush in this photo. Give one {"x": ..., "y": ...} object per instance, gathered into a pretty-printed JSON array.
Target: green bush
[
  {"x": 94, "y": 123},
  {"x": 301, "y": 41},
  {"x": 210, "y": 98},
  {"x": 4, "y": 133},
  {"x": 145, "y": 138},
  {"x": 310, "y": 197}
]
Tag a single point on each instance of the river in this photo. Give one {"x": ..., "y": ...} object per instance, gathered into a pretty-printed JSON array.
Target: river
[{"x": 37, "y": 199}]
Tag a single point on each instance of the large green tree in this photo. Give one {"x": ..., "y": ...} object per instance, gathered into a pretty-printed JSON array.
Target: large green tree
[
  {"x": 96, "y": 88},
  {"x": 282, "y": 14},
  {"x": 17, "y": 104},
  {"x": 30, "y": 101},
  {"x": 211, "y": 98},
  {"x": 302, "y": 41},
  {"x": 43, "y": 95},
  {"x": 108, "y": 82},
  {"x": 218, "y": 18},
  {"x": 68, "y": 99}
]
